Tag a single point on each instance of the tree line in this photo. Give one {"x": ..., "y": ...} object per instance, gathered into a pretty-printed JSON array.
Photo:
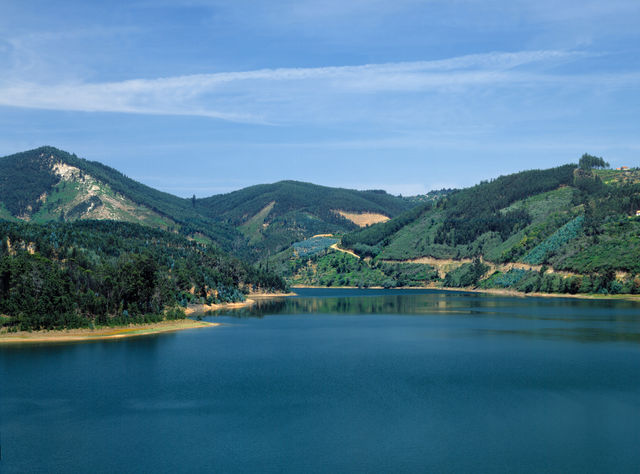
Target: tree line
[{"x": 106, "y": 272}]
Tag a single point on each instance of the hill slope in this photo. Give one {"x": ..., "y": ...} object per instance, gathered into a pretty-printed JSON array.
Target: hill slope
[
  {"x": 565, "y": 229},
  {"x": 47, "y": 184},
  {"x": 273, "y": 216},
  {"x": 74, "y": 274}
]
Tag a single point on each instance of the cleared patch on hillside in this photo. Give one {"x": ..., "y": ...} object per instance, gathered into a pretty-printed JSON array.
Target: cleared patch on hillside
[
  {"x": 314, "y": 245},
  {"x": 254, "y": 226},
  {"x": 362, "y": 219},
  {"x": 542, "y": 205},
  {"x": 619, "y": 177},
  {"x": 79, "y": 195}
]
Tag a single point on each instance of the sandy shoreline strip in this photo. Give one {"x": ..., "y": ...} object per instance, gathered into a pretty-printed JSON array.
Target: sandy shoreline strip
[
  {"x": 133, "y": 330},
  {"x": 117, "y": 332}
]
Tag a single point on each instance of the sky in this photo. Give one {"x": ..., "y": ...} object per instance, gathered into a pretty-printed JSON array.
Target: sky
[{"x": 209, "y": 96}]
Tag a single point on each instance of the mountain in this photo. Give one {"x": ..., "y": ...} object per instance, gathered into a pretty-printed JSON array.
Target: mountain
[
  {"x": 273, "y": 216},
  {"x": 47, "y": 184},
  {"x": 567, "y": 229}
]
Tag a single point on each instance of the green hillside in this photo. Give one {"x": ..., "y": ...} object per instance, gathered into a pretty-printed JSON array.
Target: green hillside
[
  {"x": 568, "y": 229},
  {"x": 273, "y": 216},
  {"x": 47, "y": 184},
  {"x": 572, "y": 228},
  {"x": 105, "y": 272}
]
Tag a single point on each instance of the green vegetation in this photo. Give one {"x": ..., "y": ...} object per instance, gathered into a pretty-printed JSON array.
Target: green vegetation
[
  {"x": 529, "y": 281},
  {"x": 291, "y": 196},
  {"x": 105, "y": 272},
  {"x": 251, "y": 223},
  {"x": 553, "y": 243},
  {"x": 370, "y": 239},
  {"x": 615, "y": 247},
  {"x": 330, "y": 267},
  {"x": 475, "y": 211},
  {"x": 431, "y": 196},
  {"x": 588, "y": 162},
  {"x": 253, "y": 227},
  {"x": 466, "y": 223},
  {"x": 25, "y": 177},
  {"x": 575, "y": 219},
  {"x": 274, "y": 216},
  {"x": 5, "y": 214},
  {"x": 466, "y": 275},
  {"x": 579, "y": 220},
  {"x": 313, "y": 246}
]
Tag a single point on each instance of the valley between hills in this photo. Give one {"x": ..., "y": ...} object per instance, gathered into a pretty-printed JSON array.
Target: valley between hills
[{"x": 82, "y": 245}]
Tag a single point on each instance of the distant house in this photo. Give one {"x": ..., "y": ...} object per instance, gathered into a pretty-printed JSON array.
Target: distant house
[{"x": 622, "y": 168}]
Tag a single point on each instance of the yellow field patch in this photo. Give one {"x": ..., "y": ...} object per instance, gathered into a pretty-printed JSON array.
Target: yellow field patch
[{"x": 362, "y": 219}]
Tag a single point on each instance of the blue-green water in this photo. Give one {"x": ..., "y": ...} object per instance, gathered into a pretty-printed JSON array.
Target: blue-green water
[{"x": 340, "y": 381}]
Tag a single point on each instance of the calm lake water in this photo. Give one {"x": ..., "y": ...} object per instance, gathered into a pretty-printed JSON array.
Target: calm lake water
[{"x": 340, "y": 381}]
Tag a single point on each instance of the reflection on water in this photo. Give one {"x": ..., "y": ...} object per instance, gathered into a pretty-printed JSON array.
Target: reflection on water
[
  {"x": 340, "y": 381},
  {"x": 553, "y": 318}
]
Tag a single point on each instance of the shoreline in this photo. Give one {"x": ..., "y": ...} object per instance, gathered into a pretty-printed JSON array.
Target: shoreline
[
  {"x": 252, "y": 298},
  {"x": 493, "y": 291},
  {"x": 132, "y": 330},
  {"x": 101, "y": 333}
]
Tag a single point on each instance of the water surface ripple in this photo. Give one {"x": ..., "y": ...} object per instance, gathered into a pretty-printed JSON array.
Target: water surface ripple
[{"x": 340, "y": 381}]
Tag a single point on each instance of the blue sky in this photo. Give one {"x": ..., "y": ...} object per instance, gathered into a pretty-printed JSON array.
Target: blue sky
[{"x": 208, "y": 96}]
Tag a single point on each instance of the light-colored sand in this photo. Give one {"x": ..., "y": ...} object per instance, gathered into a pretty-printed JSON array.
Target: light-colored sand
[
  {"x": 362, "y": 219},
  {"x": 71, "y": 335},
  {"x": 203, "y": 308}
]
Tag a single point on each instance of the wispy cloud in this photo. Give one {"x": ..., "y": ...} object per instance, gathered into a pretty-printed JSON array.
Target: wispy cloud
[{"x": 278, "y": 95}]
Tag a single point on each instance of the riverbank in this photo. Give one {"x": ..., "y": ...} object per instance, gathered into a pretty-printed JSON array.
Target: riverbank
[
  {"x": 102, "y": 333},
  {"x": 492, "y": 291},
  {"x": 200, "y": 309},
  {"x": 132, "y": 330}
]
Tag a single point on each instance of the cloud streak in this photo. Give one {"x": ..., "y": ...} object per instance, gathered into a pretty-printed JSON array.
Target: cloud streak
[{"x": 284, "y": 94}]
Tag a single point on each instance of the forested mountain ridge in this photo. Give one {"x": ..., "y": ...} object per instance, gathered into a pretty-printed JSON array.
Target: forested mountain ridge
[
  {"x": 273, "y": 216},
  {"x": 573, "y": 228},
  {"x": 47, "y": 184}
]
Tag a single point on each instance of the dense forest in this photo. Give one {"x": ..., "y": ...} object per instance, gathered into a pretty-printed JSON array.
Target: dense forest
[
  {"x": 291, "y": 196},
  {"x": 23, "y": 179},
  {"x": 105, "y": 272}
]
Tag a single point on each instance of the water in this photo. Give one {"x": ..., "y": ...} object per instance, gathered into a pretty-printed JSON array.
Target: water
[{"x": 340, "y": 381}]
